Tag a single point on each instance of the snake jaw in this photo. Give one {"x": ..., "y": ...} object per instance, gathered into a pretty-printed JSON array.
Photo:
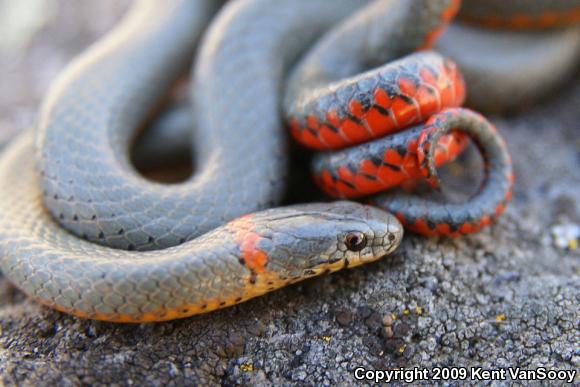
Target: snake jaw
[{"x": 315, "y": 237}]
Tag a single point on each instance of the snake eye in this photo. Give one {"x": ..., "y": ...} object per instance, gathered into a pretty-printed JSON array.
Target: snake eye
[{"x": 355, "y": 241}]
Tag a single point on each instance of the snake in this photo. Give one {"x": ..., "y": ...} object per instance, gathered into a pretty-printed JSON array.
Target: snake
[
  {"x": 521, "y": 14},
  {"x": 85, "y": 234},
  {"x": 188, "y": 248}
]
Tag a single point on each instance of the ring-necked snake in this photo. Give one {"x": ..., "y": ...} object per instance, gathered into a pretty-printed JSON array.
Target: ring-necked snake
[{"x": 211, "y": 254}]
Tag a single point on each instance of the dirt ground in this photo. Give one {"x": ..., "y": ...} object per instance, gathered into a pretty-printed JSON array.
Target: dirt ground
[{"x": 508, "y": 296}]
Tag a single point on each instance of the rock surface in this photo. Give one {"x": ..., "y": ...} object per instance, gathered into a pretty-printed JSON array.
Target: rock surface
[{"x": 504, "y": 297}]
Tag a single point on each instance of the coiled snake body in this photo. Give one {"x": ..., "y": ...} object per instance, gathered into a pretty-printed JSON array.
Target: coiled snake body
[
  {"x": 207, "y": 253},
  {"x": 90, "y": 116}
]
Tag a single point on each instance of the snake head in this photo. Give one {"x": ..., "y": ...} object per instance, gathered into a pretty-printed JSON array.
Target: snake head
[{"x": 306, "y": 240}]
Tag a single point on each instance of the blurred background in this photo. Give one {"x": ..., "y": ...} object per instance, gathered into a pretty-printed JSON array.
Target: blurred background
[{"x": 37, "y": 39}]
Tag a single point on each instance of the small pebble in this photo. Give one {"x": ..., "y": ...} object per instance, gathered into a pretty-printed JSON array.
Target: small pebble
[
  {"x": 387, "y": 320},
  {"x": 566, "y": 236},
  {"x": 374, "y": 321},
  {"x": 344, "y": 317}
]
